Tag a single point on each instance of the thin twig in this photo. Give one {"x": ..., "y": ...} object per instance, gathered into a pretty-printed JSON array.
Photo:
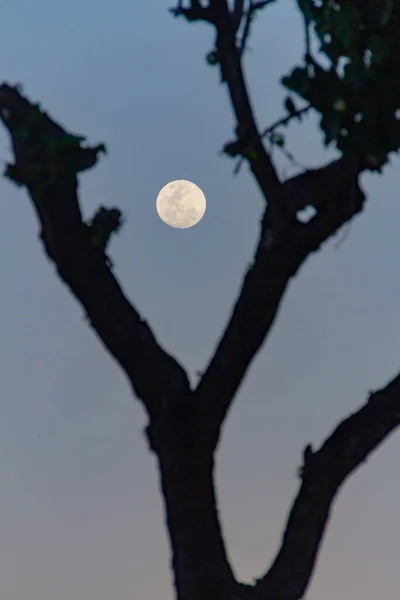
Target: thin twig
[
  {"x": 268, "y": 131},
  {"x": 246, "y": 29},
  {"x": 254, "y": 6},
  {"x": 237, "y": 14}
]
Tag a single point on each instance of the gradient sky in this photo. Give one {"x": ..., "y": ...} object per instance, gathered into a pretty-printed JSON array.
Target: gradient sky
[{"x": 80, "y": 509}]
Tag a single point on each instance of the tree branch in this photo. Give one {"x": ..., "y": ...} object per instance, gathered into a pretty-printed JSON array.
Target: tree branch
[
  {"x": 335, "y": 192},
  {"x": 269, "y": 130},
  {"x": 250, "y": 14},
  {"x": 47, "y": 160},
  {"x": 324, "y": 473},
  {"x": 229, "y": 57},
  {"x": 237, "y": 13},
  {"x": 259, "y": 160}
]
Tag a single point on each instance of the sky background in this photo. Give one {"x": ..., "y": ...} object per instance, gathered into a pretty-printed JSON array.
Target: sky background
[{"x": 80, "y": 509}]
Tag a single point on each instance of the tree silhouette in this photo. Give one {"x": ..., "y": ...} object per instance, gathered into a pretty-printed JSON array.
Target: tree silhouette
[{"x": 184, "y": 424}]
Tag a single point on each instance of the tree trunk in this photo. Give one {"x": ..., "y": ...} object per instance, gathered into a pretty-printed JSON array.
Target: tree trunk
[{"x": 186, "y": 466}]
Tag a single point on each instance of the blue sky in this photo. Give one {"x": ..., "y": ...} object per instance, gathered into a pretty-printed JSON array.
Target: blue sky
[{"x": 80, "y": 510}]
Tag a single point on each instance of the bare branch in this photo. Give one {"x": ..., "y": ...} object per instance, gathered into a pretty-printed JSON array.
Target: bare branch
[
  {"x": 324, "y": 473},
  {"x": 250, "y": 14},
  {"x": 246, "y": 129},
  {"x": 246, "y": 30},
  {"x": 334, "y": 191},
  {"x": 47, "y": 160},
  {"x": 229, "y": 58},
  {"x": 269, "y": 130},
  {"x": 237, "y": 14}
]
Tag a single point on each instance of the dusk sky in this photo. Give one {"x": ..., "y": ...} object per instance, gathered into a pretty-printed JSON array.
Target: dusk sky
[{"x": 81, "y": 514}]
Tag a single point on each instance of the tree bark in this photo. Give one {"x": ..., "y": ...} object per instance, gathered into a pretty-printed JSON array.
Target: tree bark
[{"x": 186, "y": 466}]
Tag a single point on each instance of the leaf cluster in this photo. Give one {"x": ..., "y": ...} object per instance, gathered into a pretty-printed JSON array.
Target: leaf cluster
[{"x": 358, "y": 94}]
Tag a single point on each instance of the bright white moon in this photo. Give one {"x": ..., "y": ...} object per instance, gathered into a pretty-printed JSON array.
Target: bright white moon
[{"x": 181, "y": 204}]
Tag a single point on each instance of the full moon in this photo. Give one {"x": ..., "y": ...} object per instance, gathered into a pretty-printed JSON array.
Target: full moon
[{"x": 181, "y": 204}]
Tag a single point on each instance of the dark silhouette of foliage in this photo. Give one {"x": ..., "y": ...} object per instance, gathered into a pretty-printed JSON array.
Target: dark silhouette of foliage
[{"x": 359, "y": 95}]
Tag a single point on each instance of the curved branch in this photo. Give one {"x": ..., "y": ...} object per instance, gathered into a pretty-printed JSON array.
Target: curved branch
[
  {"x": 335, "y": 192},
  {"x": 47, "y": 160},
  {"x": 324, "y": 473},
  {"x": 232, "y": 73},
  {"x": 229, "y": 56}
]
